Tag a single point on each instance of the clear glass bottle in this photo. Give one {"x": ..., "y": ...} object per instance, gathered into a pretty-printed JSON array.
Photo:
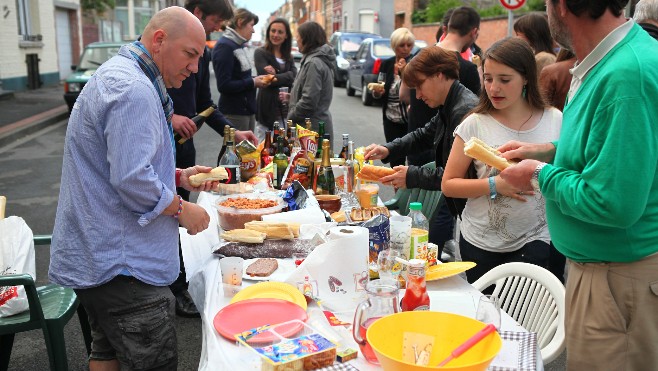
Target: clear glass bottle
[
  {"x": 295, "y": 145},
  {"x": 343, "y": 151},
  {"x": 231, "y": 160},
  {"x": 280, "y": 162},
  {"x": 349, "y": 169},
  {"x": 308, "y": 123}
]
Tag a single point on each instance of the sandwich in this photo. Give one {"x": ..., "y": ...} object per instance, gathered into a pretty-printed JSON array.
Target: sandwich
[
  {"x": 269, "y": 78},
  {"x": 479, "y": 150},
  {"x": 375, "y": 85},
  {"x": 374, "y": 173},
  {"x": 216, "y": 174}
]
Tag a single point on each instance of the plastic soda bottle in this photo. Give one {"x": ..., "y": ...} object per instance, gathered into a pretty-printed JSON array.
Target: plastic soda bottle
[{"x": 419, "y": 232}]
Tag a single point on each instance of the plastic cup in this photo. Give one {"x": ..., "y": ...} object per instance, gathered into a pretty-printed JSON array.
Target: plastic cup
[{"x": 231, "y": 268}]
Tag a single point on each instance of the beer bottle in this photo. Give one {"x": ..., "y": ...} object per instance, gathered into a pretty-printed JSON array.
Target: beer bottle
[
  {"x": 307, "y": 122},
  {"x": 198, "y": 120},
  {"x": 320, "y": 137},
  {"x": 266, "y": 153}
]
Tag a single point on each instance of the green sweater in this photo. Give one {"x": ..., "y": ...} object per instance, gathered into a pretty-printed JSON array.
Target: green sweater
[{"x": 602, "y": 189}]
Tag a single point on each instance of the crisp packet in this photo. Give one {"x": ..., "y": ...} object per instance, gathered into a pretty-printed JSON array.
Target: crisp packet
[{"x": 250, "y": 159}]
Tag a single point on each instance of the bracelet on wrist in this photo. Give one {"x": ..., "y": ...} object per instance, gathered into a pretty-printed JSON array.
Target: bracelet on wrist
[
  {"x": 180, "y": 207},
  {"x": 492, "y": 188}
]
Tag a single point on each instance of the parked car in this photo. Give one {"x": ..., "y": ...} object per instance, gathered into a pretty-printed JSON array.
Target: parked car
[
  {"x": 345, "y": 45},
  {"x": 92, "y": 57},
  {"x": 364, "y": 67},
  {"x": 296, "y": 55}
]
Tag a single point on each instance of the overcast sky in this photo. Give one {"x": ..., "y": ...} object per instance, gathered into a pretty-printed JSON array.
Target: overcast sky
[{"x": 262, "y": 8}]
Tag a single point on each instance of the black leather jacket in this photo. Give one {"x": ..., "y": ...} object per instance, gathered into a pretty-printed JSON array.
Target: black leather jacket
[{"x": 437, "y": 133}]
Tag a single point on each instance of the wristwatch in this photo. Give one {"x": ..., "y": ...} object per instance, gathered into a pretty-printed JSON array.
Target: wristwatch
[{"x": 534, "y": 180}]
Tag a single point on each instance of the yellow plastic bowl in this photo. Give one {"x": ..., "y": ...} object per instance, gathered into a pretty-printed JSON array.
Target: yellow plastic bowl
[{"x": 450, "y": 331}]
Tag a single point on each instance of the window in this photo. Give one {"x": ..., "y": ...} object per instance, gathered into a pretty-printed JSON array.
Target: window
[{"x": 27, "y": 12}]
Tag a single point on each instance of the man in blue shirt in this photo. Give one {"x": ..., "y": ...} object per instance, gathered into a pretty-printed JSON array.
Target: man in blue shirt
[
  {"x": 116, "y": 228},
  {"x": 189, "y": 99}
]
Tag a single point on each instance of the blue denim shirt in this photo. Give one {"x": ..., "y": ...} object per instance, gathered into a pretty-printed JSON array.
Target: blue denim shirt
[{"x": 118, "y": 176}]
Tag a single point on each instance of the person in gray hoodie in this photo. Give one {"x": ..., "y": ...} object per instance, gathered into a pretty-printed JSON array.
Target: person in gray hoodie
[{"x": 313, "y": 88}]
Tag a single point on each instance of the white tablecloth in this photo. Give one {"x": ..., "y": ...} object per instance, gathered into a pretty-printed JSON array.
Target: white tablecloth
[{"x": 452, "y": 294}]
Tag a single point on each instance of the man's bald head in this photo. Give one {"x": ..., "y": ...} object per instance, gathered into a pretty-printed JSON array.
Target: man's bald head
[
  {"x": 175, "y": 39},
  {"x": 175, "y": 22}
]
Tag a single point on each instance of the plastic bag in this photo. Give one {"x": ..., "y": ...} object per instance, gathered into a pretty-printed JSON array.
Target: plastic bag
[{"x": 16, "y": 257}]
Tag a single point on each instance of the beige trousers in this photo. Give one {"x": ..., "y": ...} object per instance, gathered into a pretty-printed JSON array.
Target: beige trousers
[{"x": 612, "y": 316}]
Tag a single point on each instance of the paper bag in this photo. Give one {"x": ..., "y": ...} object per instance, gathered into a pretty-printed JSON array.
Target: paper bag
[
  {"x": 16, "y": 257},
  {"x": 336, "y": 272}
]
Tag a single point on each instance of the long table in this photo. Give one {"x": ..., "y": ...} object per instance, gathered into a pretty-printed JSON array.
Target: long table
[{"x": 210, "y": 295}]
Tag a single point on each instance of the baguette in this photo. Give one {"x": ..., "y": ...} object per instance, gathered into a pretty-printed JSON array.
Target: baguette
[
  {"x": 218, "y": 173},
  {"x": 479, "y": 150},
  {"x": 275, "y": 230},
  {"x": 269, "y": 79},
  {"x": 374, "y": 173},
  {"x": 244, "y": 235}
]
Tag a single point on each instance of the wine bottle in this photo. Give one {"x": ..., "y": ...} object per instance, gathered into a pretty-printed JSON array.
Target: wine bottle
[
  {"x": 227, "y": 133},
  {"x": 326, "y": 184},
  {"x": 320, "y": 137},
  {"x": 343, "y": 151},
  {"x": 281, "y": 162},
  {"x": 198, "y": 120},
  {"x": 349, "y": 173},
  {"x": 231, "y": 160}
]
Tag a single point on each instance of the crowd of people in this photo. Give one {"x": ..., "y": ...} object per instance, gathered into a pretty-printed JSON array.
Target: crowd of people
[{"x": 569, "y": 98}]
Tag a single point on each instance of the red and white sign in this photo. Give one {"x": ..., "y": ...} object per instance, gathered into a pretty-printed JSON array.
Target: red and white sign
[{"x": 512, "y": 4}]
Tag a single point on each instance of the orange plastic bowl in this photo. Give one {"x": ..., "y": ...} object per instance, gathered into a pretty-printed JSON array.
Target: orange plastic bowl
[{"x": 450, "y": 331}]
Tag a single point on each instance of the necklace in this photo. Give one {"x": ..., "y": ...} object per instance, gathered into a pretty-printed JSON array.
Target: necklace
[{"x": 518, "y": 132}]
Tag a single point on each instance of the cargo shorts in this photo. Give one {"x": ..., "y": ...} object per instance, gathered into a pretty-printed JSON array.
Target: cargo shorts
[{"x": 132, "y": 322}]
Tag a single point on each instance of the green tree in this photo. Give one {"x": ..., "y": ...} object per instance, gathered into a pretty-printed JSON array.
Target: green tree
[
  {"x": 437, "y": 8},
  {"x": 536, "y": 5}
]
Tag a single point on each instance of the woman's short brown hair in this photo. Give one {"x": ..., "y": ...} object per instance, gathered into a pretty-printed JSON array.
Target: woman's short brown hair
[
  {"x": 312, "y": 35},
  {"x": 430, "y": 61},
  {"x": 241, "y": 17}
]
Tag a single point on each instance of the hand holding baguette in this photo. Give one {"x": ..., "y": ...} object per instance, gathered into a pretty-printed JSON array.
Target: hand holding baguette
[
  {"x": 479, "y": 150},
  {"x": 216, "y": 174},
  {"x": 372, "y": 173}
]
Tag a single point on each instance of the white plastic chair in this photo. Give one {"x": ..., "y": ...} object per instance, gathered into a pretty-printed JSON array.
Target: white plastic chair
[{"x": 534, "y": 297}]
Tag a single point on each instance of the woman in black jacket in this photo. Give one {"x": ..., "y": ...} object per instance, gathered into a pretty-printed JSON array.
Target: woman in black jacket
[
  {"x": 394, "y": 111},
  {"x": 274, "y": 59},
  {"x": 434, "y": 73}
]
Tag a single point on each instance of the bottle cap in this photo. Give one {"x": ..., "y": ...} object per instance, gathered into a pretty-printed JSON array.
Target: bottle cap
[{"x": 415, "y": 206}]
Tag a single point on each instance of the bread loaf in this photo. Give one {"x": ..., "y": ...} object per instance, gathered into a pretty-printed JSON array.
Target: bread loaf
[
  {"x": 244, "y": 235},
  {"x": 275, "y": 230},
  {"x": 216, "y": 174},
  {"x": 374, "y": 173},
  {"x": 479, "y": 150}
]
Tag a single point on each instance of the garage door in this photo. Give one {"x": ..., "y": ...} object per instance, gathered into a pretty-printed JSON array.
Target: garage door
[
  {"x": 367, "y": 21},
  {"x": 64, "y": 54}
]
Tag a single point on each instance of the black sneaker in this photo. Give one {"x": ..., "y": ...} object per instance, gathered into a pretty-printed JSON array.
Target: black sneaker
[{"x": 185, "y": 307}]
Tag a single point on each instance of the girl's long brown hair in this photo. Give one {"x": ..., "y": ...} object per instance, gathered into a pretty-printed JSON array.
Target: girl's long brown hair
[{"x": 516, "y": 54}]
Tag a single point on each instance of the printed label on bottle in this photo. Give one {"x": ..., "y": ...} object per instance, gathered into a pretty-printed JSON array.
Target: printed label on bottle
[
  {"x": 233, "y": 174},
  {"x": 422, "y": 307},
  {"x": 419, "y": 241}
]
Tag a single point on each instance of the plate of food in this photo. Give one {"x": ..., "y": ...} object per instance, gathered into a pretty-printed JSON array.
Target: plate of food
[{"x": 267, "y": 269}]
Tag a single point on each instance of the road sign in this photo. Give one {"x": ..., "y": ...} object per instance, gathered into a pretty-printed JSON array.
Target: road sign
[{"x": 512, "y": 4}]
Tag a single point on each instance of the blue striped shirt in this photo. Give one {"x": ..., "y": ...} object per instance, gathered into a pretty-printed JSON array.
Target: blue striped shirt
[{"x": 118, "y": 176}]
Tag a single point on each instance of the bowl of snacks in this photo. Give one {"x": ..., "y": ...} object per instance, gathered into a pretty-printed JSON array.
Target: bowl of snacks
[
  {"x": 331, "y": 203},
  {"x": 234, "y": 211}
]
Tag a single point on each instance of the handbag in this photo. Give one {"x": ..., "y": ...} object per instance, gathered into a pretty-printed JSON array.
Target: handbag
[{"x": 16, "y": 257}]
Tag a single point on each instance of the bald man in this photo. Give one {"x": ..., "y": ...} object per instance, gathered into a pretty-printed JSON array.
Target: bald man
[{"x": 115, "y": 240}]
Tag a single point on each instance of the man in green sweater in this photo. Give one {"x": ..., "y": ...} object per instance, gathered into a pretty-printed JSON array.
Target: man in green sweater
[{"x": 600, "y": 182}]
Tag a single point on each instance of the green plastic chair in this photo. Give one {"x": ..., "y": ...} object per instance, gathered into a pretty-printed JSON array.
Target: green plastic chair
[
  {"x": 50, "y": 308},
  {"x": 404, "y": 196}
]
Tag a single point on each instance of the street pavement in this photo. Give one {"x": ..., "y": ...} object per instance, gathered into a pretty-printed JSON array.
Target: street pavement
[{"x": 32, "y": 130}]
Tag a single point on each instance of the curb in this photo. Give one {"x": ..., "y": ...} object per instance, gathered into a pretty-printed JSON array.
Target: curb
[{"x": 32, "y": 124}]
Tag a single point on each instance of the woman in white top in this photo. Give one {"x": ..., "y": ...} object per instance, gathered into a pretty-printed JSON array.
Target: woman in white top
[{"x": 500, "y": 224}]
